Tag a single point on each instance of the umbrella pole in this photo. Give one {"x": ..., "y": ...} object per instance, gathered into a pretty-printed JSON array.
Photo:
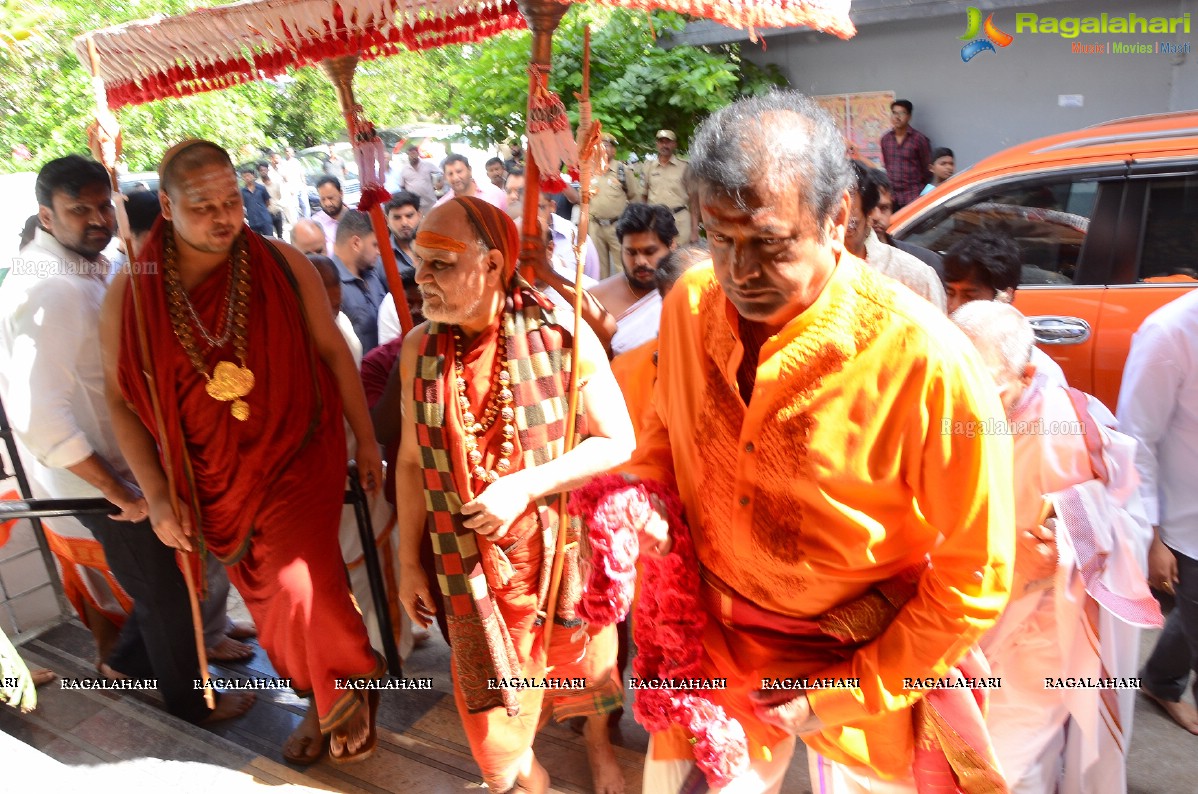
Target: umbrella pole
[
  {"x": 543, "y": 17},
  {"x": 341, "y": 72}
]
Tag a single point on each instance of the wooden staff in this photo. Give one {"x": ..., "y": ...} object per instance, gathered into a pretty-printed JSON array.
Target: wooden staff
[
  {"x": 563, "y": 517},
  {"x": 108, "y": 157}
]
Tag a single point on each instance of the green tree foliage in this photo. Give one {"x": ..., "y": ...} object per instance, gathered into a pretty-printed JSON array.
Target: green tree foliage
[{"x": 637, "y": 87}]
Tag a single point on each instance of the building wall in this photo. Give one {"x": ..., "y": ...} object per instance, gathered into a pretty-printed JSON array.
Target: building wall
[{"x": 998, "y": 98}]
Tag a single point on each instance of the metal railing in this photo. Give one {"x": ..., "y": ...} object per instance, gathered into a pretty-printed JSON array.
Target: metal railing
[{"x": 35, "y": 510}]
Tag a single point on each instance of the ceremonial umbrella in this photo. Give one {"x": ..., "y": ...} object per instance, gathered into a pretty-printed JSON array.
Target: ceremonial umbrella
[{"x": 214, "y": 48}]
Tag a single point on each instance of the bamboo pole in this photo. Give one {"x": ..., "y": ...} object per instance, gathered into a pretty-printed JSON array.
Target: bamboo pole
[
  {"x": 108, "y": 158},
  {"x": 563, "y": 520},
  {"x": 341, "y": 72}
]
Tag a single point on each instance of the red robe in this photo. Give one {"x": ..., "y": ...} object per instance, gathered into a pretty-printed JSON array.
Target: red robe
[{"x": 266, "y": 492}]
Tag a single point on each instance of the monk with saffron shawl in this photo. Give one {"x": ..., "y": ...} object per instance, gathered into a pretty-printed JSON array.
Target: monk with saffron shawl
[
  {"x": 252, "y": 378},
  {"x": 845, "y": 542},
  {"x": 481, "y": 463}
]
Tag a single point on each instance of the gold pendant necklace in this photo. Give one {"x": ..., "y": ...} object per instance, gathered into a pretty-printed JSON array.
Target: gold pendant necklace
[{"x": 228, "y": 381}]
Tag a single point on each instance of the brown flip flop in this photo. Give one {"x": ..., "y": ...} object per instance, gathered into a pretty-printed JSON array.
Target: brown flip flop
[{"x": 372, "y": 740}]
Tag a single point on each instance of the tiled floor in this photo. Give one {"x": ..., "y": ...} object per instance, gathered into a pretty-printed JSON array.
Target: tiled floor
[{"x": 99, "y": 742}]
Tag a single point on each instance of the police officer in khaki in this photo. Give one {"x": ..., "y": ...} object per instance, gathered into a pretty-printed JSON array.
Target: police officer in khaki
[
  {"x": 613, "y": 189},
  {"x": 664, "y": 185}
]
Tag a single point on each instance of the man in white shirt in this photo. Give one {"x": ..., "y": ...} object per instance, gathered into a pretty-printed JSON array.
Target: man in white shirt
[
  {"x": 462, "y": 183},
  {"x": 295, "y": 186},
  {"x": 52, "y": 382},
  {"x": 420, "y": 176},
  {"x": 1158, "y": 405}
]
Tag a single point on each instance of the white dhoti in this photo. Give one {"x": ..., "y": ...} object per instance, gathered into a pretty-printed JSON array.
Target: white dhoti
[
  {"x": 638, "y": 324},
  {"x": 386, "y": 534},
  {"x": 1086, "y": 624}
]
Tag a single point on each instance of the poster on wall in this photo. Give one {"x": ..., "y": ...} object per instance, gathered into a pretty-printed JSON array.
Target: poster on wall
[{"x": 863, "y": 117}]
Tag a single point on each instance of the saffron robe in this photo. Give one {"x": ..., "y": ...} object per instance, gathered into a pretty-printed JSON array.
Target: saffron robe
[
  {"x": 496, "y": 621},
  {"x": 842, "y": 471},
  {"x": 266, "y": 493}
]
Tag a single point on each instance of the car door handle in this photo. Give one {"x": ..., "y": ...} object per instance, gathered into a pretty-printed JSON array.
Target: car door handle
[{"x": 1051, "y": 329}]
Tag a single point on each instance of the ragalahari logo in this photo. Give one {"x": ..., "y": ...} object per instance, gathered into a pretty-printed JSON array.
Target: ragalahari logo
[{"x": 975, "y": 45}]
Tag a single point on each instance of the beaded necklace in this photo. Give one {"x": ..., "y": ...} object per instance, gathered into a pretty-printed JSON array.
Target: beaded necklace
[
  {"x": 498, "y": 405},
  {"x": 228, "y": 381}
]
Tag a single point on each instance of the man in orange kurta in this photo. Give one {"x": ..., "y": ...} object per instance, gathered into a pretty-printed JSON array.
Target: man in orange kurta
[
  {"x": 257, "y": 463},
  {"x": 481, "y": 462},
  {"x": 854, "y": 536}
]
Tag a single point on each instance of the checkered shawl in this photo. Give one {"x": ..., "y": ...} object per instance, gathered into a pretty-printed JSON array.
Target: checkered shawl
[{"x": 539, "y": 359}]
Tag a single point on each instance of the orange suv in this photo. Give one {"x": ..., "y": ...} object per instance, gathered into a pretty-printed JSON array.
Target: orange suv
[{"x": 1107, "y": 220}]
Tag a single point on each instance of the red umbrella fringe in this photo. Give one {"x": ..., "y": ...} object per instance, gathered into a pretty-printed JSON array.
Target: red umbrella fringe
[{"x": 186, "y": 80}]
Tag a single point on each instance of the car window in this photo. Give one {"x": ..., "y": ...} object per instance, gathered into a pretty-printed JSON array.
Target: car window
[
  {"x": 1170, "y": 238},
  {"x": 1048, "y": 218}
]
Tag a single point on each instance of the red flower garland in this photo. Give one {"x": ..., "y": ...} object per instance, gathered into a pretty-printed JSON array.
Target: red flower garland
[{"x": 669, "y": 621}]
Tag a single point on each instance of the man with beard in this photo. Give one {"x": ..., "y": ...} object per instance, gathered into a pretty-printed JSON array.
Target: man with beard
[
  {"x": 332, "y": 208},
  {"x": 250, "y": 424},
  {"x": 860, "y": 241},
  {"x": 403, "y": 219},
  {"x": 462, "y": 183},
  {"x": 52, "y": 382},
  {"x": 647, "y": 234},
  {"x": 363, "y": 285},
  {"x": 486, "y": 393}
]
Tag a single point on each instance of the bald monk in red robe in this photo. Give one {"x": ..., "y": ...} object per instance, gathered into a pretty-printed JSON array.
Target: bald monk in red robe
[{"x": 251, "y": 377}]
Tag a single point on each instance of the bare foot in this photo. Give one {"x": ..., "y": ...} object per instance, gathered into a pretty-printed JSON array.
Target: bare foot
[
  {"x": 605, "y": 769},
  {"x": 42, "y": 676},
  {"x": 230, "y": 705},
  {"x": 242, "y": 630},
  {"x": 230, "y": 650},
  {"x": 1182, "y": 713},
  {"x": 533, "y": 781},
  {"x": 354, "y": 741},
  {"x": 305, "y": 745},
  {"x": 107, "y": 671}
]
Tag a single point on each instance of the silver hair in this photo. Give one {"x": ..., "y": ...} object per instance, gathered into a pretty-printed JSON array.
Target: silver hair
[
  {"x": 781, "y": 141},
  {"x": 999, "y": 331}
]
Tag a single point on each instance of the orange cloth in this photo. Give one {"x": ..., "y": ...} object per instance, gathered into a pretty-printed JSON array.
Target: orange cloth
[
  {"x": 636, "y": 372},
  {"x": 845, "y": 469},
  {"x": 498, "y": 741}
]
